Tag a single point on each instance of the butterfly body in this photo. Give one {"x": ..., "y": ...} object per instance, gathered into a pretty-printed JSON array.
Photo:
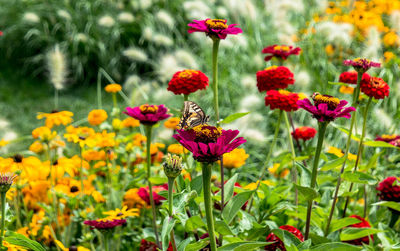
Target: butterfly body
[{"x": 192, "y": 116}]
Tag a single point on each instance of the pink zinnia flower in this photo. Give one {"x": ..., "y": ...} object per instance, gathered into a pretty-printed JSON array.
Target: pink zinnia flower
[
  {"x": 361, "y": 64},
  {"x": 326, "y": 108},
  {"x": 280, "y": 51},
  {"x": 148, "y": 114},
  {"x": 208, "y": 143},
  {"x": 145, "y": 195},
  {"x": 214, "y": 28},
  {"x": 103, "y": 224}
]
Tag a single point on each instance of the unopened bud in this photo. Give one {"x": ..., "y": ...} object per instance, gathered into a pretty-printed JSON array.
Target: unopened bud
[{"x": 172, "y": 166}]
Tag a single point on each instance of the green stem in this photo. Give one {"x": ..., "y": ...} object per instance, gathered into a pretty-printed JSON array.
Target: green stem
[
  {"x": 106, "y": 245},
  {"x": 206, "y": 168},
  {"x": 359, "y": 153},
  {"x": 81, "y": 172},
  {"x": 99, "y": 104},
  {"x": 170, "y": 209},
  {"x": 55, "y": 99},
  {"x": 269, "y": 155},
  {"x": 321, "y": 134},
  {"x": 215, "y": 76},
  {"x": 3, "y": 216},
  {"x": 148, "y": 130},
  {"x": 294, "y": 170},
  {"x": 185, "y": 97},
  {"x": 346, "y": 153},
  {"x": 114, "y": 97}
]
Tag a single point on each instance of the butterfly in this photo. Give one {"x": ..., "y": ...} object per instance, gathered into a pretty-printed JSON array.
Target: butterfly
[{"x": 192, "y": 116}]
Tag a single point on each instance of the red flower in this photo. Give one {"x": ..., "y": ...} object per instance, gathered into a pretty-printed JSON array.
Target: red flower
[
  {"x": 350, "y": 77},
  {"x": 273, "y": 78},
  {"x": 282, "y": 100},
  {"x": 103, "y": 224},
  {"x": 376, "y": 88},
  {"x": 304, "y": 133},
  {"x": 151, "y": 246},
  {"x": 214, "y": 28},
  {"x": 144, "y": 194},
  {"x": 278, "y": 242},
  {"x": 388, "y": 191},
  {"x": 1, "y": 33},
  {"x": 187, "y": 81},
  {"x": 363, "y": 224},
  {"x": 387, "y": 138},
  {"x": 280, "y": 51}
]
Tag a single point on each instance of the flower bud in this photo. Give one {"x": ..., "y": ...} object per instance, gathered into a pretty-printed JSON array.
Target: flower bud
[
  {"x": 6, "y": 180},
  {"x": 173, "y": 166}
]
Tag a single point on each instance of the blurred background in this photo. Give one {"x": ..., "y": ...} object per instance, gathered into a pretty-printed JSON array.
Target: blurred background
[{"x": 75, "y": 46}]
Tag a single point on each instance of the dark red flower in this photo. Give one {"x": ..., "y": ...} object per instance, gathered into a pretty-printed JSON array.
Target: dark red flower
[
  {"x": 144, "y": 194},
  {"x": 350, "y": 77},
  {"x": 280, "y": 51},
  {"x": 304, "y": 133},
  {"x": 1, "y": 33},
  {"x": 387, "y": 138},
  {"x": 104, "y": 224},
  {"x": 151, "y": 246},
  {"x": 395, "y": 142},
  {"x": 363, "y": 224},
  {"x": 282, "y": 100},
  {"x": 278, "y": 244},
  {"x": 376, "y": 88},
  {"x": 274, "y": 77},
  {"x": 388, "y": 191},
  {"x": 187, "y": 81}
]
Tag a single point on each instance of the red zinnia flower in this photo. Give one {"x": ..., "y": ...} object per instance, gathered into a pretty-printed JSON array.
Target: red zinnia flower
[
  {"x": 143, "y": 193},
  {"x": 376, "y": 88},
  {"x": 104, "y": 224},
  {"x": 388, "y": 191},
  {"x": 304, "y": 133},
  {"x": 280, "y": 51},
  {"x": 274, "y": 77},
  {"x": 387, "y": 138},
  {"x": 214, "y": 28},
  {"x": 187, "y": 81},
  {"x": 361, "y": 64},
  {"x": 350, "y": 77},
  {"x": 148, "y": 114},
  {"x": 1, "y": 33},
  {"x": 282, "y": 100},
  {"x": 278, "y": 244},
  {"x": 151, "y": 246},
  {"x": 363, "y": 224}
]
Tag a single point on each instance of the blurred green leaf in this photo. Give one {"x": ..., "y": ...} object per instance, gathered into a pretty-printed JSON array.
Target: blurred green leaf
[
  {"x": 194, "y": 223},
  {"x": 233, "y": 117},
  {"x": 235, "y": 204},
  {"x": 335, "y": 246},
  {"x": 378, "y": 144},
  {"x": 352, "y": 233},
  {"x": 197, "y": 246},
  {"x": 306, "y": 192},
  {"x": 229, "y": 186},
  {"x": 332, "y": 164},
  {"x": 20, "y": 240},
  {"x": 359, "y": 177},
  {"x": 244, "y": 245},
  {"x": 168, "y": 225},
  {"x": 341, "y": 223},
  {"x": 391, "y": 204}
]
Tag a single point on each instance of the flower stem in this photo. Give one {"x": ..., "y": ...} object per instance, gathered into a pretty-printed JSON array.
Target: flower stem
[
  {"x": 206, "y": 168},
  {"x": 185, "y": 97},
  {"x": 148, "y": 130},
  {"x": 215, "y": 76},
  {"x": 99, "y": 104},
  {"x": 3, "y": 216},
  {"x": 114, "y": 97},
  {"x": 170, "y": 209},
  {"x": 81, "y": 172},
  {"x": 55, "y": 99},
  {"x": 294, "y": 170},
  {"x": 359, "y": 153},
  {"x": 269, "y": 155},
  {"x": 105, "y": 243},
  {"x": 356, "y": 95},
  {"x": 321, "y": 134}
]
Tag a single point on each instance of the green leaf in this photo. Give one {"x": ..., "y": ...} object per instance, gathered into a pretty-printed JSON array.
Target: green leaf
[
  {"x": 372, "y": 161},
  {"x": 335, "y": 246},
  {"x": 332, "y": 164},
  {"x": 352, "y": 233},
  {"x": 337, "y": 83},
  {"x": 197, "y": 184},
  {"x": 197, "y": 246},
  {"x": 183, "y": 244},
  {"x": 235, "y": 204},
  {"x": 306, "y": 192},
  {"x": 193, "y": 223},
  {"x": 288, "y": 238},
  {"x": 353, "y": 137},
  {"x": 222, "y": 228},
  {"x": 158, "y": 180},
  {"x": 233, "y": 117},
  {"x": 243, "y": 245},
  {"x": 341, "y": 223},
  {"x": 229, "y": 186},
  {"x": 168, "y": 225},
  {"x": 378, "y": 144},
  {"x": 305, "y": 245},
  {"x": 359, "y": 177},
  {"x": 22, "y": 241},
  {"x": 390, "y": 204},
  {"x": 317, "y": 239}
]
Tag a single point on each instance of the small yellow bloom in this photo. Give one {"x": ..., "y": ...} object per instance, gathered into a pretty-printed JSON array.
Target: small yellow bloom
[
  {"x": 43, "y": 133},
  {"x": 154, "y": 147},
  {"x": 36, "y": 147},
  {"x": 130, "y": 122},
  {"x": 339, "y": 153},
  {"x": 96, "y": 117},
  {"x": 113, "y": 88},
  {"x": 92, "y": 155},
  {"x": 172, "y": 123},
  {"x": 390, "y": 39},
  {"x": 277, "y": 172},
  {"x": 345, "y": 89},
  {"x": 117, "y": 124},
  {"x": 329, "y": 50},
  {"x": 56, "y": 118},
  {"x": 176, "y": 149},
  {"x": 4, "y": 142},
  {"x": 388, "y": 55},
  {"x": 63, "y": 248},
  {"x": 235, "y": 159},
  {"x": 253, "y": 185},
  {"x": 123, "y": 213}
]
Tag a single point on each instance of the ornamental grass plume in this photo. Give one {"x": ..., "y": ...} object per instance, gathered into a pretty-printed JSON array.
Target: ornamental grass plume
[
  {"x": 281, "y": 52},
  {"x": 273, "y": 78},
  {"x": 278, "y": 243},
  {"x": 57, "y": 67}
]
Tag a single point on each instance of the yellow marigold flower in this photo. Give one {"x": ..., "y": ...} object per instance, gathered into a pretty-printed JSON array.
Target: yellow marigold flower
[
  {"x": 57, "y": 142},
  {"x": 388, "y": 55},
  {"x": 117, "y": 124},
  {"x": 139, "y": 139},
  {"x": 96, "y": 117},
  {"x": 172, "y": 123},
  {"x": 11, "y": 247},
  {"x": 123, "y": 213},
  {"x": 36, "y": 147},
  {"x": 339, "y": 153},
  {"x": 56, "y": 118},
  {"x": 177, "y": 149},
  {"x": 277, "y": 172},
  {"x": 154, "y": 148},
  {"x": 43, "y": 133},
  {"x": 390, "y": 39},
  {"x": 82, "y": 135},
  {"x": 113, "y": 88},
  {"x": 93, "y": 155},
  {"x": 345, "y": 89},
  {"x": 133, "y": 200},
  {"x": 4, "y": 142},
  {"x": 130, "y": 122},
  {"x": 105, "y": 139},
  {"x": 329, "y": 50},
  {"x": 235, "y": 159},
  {"x": 302, "y": 95},
  {"x": 253, "y": 185}
]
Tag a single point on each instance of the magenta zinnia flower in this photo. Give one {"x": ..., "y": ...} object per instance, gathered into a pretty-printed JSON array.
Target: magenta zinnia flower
[
  {"x": 214, "y": 28},
  {"x": 148, "y": 114},
  {"x": 208, "y": 143},
  {"x": 104, "y": 224},
  {"x": 145, "y": 195},
  {"x": 361, "y": 64},
  {"x": 326, "y": 108},
  {"x": 280, "y": 51}
]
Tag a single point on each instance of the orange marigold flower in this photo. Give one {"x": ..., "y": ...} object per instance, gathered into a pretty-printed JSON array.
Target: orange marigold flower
[
  {"x": 346, "y": 89},
  {"x": 113, "y": 88},
  {"x": 43, "y": 133},
  {"x": 177, "y": 149},
  {"x": 235, "y": 159},
  {"x": 172, "y": 123},
  {"x": 278, "y": 172},
  {"x": 130, "y": 122},
  {"x": 36, "y": 147},
  {"x": 56, "y": 118},
  {"x": 96, "y": 117},
  {"x": 132, "y": 199}
]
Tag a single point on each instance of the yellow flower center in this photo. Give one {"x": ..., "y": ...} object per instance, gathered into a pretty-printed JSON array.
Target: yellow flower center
[
  {"x": 377, "y": 82},
  {"x": 271, "y": 68},
  {"x": 206, "y": 133},
  {"x": 332, "y": 102},
  {"x": 361, "y": 60},
  {"x": 217, "y": 24},
  {"x": 187, "y": 74},
  {"x": 284, "y": 92},
  {"x": 281, "y": 48},
  {"x": 148, "y": 109},
  {"x": 389, "y": 137}
]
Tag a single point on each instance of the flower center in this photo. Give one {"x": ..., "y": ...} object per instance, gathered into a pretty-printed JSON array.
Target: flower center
[
  {"x": 271, "y": 68},
  {"x": 74, "y": 189},
  {"x": 284, "y": 92},
  {"x": 389, "y": 137},
  {"x": 207, "y": 134},
  {"x": 148, "y": 109},
  {"x": 331, "y": 101},
  {"x": 282, "y": 48},
  {"x": 187, "y": 74},
  {"x": 217, "y": 24},
  {"x": 377, "y": 82},
  {"x": 361, "y": 60}
]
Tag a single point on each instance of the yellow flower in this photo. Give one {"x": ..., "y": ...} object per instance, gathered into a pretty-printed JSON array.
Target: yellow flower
[
  {"x": 113, "y": 88},
  {"x": 388, "y": 55},
  {"x": 130, "y": 122},
  {"x": 56, "y": 118},
  {"x": 172, "y": 123},
  {"x": 339, "y": 153},
  {"x": 11, "y": 247},
  {"x": 176, "y": 149},
  {"x": 253, "y": 185},
  {"x": 96, "y": 117},
  {"x": 43, "y": 133},
  {"x": 235, "y": 159},
  {"x": 302, "y": 95},
  {"x": 63, "y": 248},
  {"x": 278, "y": 173},
  {"x": 345, "y": 89},
  {"x": 4, "y": 142},
  {"x": 123, "y": 213},
  {"x": 329, "y": 50},
  {"x": 390, "y": 39},
  {"x": 91, "y": 155},
  {"x": 154, "y": 148},
  {"x": 105, "y": 139},
  {"x": 132, "y": 199},
  {"x": 36, "y": 147},
  {"x": 117, "y": 124}
]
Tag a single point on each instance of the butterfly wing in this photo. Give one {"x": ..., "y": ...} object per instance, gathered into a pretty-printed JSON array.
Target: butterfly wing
[{"x": 192, "y": 115}]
